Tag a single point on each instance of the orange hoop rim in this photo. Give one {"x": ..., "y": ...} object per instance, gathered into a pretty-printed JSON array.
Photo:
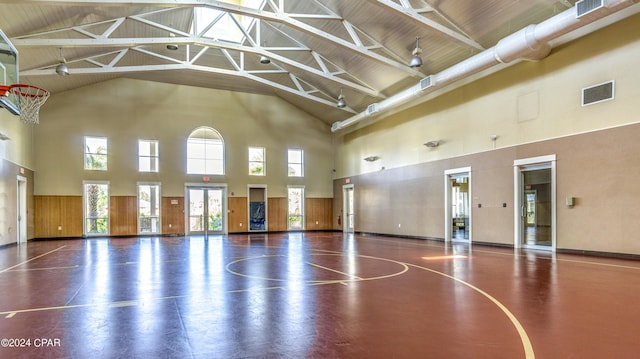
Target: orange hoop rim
[{"x": 41, "y": 92}]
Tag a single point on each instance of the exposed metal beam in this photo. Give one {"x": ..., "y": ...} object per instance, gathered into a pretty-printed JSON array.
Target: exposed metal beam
[
  {"x": 133, "y": 42},
  {"x": 277, "y": 17},
  {"x": 407, "y": 11}
]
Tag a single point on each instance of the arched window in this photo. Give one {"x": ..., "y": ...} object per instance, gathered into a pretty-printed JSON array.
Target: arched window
[{"x": 205, "y": 152}]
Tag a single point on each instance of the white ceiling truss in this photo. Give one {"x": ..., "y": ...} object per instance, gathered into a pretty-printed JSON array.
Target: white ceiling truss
[
  {"x": 235, "y": 53},
  {"x": 317, "y": 48}
]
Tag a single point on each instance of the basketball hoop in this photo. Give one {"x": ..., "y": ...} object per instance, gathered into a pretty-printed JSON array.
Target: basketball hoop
[{"x": 30, "y": 99}]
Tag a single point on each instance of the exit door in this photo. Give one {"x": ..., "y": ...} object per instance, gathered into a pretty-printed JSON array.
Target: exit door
[
  {"x": 535, "y": 198},
  {"x": 206, "y": 210},
  {"x": 348, "y": 208}
]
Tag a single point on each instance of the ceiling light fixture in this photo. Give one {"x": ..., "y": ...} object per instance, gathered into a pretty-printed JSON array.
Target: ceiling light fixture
[
  {"x": 62, "y": 69},
  {"x": 341, "y": 102},
  {"x": 263, "y": 59},
  {"x": 416, "y": 60},
  {"x": 432, "y": 144},
  {"x": 371, "y": 158},
  {"x": 172, "y": 47}
]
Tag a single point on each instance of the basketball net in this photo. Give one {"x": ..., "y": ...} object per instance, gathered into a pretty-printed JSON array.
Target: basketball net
[{"x": 30, "y": 98}]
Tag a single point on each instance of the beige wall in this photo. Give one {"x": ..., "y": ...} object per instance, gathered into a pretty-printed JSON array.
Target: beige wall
[
  {"x": 528, "y": 102},
  {"x": 535, "y": 109},
  {"x": 126, "y": 110}
]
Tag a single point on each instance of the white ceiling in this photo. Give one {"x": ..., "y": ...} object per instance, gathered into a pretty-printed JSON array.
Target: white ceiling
[{"x": 317, "y": 47}]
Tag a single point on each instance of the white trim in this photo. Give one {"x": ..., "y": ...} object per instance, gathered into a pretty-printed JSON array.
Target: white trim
[
  {"x": 304, "y": 204},
  {"x": 143, "y": 183},
  {"x": 447, "y": 201},
  {"x": 266, "y": 208},
  {"x": 21, "y": 206},
  {"x": 225, "y": 204},
  {"x": 345, "y": 221},
  {"x": 84, "y": 208},
  {"x": 548, "y": 161}
]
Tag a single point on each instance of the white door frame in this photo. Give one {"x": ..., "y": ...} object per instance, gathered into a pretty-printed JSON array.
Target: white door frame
[
  {"x": 548, "y": 161},
  {"x": 266, "y": 208},
  {"x": 448, "y": 218},
  {"x": 221, "y": 186},
  {"x": 346, "y": 225},
  {"x": 21, "y": 210}
]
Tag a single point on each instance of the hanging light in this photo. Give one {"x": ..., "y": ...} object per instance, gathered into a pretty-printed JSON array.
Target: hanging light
[
  {"x": 172, "y": 47},
  {"x": 263, "y": 59},
  {"x": 341, "y": 102},
  {"x": 416, "y": 60},
  {"x": 62, "y": 69}
]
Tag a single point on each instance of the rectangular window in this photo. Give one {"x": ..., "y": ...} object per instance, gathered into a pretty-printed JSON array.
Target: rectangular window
[
  {"x": 295, "y": 161},
  {"x": 296, "y": 208},
  {"x": 95, "y": 153},
  {"x": 148, "y": 156},
  {"x": 148, "y": 208},
  {"x": 96, "y": 208},
  {"x": 256, "y": 161}
]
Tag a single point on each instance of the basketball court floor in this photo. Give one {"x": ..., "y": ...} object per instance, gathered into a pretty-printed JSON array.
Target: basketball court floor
[{"x": 311, "y": 295}]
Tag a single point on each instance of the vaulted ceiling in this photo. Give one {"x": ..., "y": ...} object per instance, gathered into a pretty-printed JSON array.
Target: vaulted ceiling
[{"x": 317, "y": 48}]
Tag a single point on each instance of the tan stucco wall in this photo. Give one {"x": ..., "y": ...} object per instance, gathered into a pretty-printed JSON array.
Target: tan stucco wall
[{"x": 528, "y": 102}]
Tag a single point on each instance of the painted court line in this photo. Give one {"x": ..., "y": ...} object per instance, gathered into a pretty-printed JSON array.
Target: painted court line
[
  {"x": 29, "y": 260},
  {"x": 335, "y": 271}
]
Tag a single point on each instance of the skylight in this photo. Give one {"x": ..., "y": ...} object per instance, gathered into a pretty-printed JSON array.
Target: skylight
[{"x": 224, "y": 26}]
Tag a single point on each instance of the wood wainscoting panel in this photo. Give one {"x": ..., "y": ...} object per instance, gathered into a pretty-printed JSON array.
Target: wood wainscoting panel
[
  {"x": 277, "y": 214},
  {"x": 173, "y": 215},
  {"x": 123, "y": 216},
  {"x": 57, "y": 216},
  {"x": 238, "y": 217},
  {"x": 318, "y": 213}
]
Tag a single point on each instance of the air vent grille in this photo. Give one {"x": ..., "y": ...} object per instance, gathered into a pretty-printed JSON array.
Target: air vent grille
[
  {"x": 425, "y": 83},
  {"x": 371, "y": 109},
  {"x": 584, "y": 7},
  {"x": 598, "y": 93}
]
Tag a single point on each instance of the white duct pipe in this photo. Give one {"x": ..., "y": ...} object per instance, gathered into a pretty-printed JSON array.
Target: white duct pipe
[{"x": 530, "y": 43}]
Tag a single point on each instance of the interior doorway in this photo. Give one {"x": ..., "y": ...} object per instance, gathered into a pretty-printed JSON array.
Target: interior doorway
[
  {"x": 206, "y": 210},
  {"x": 534, "y": 193},
  {"x": 257, "y": 207},
  {"x": 348, "y": 208},
  {"x": 21, "y": 210},
  {"x": 458, "y": 204}
]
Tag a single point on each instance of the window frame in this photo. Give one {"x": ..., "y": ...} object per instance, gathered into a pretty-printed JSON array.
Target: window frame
[
  {"x": 263, "y": 162},
  {"x": 86, "y": 218},
  {"x": 301, "y": 215},
  {"x": 87, "y": 154},
  {"x": 158, "y": 214},
  {"x": 193, "y": 168},
  {"x": 153, "y": 158},
  {"x": 290, "y": 162}
]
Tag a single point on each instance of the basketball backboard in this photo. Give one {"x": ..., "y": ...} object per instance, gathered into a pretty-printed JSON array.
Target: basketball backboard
[{"x": 8, "y": 72}]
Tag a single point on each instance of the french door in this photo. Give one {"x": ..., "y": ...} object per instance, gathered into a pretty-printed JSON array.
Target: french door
[{"x": 206, "y": 210}]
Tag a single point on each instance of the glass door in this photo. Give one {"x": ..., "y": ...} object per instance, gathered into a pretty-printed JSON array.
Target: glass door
[
  {"x": 535, "y": 202},
  {"x": 458, "y": 204},
  {"x": 206, "y": 210},
  {"x": 348, "y": 208}
]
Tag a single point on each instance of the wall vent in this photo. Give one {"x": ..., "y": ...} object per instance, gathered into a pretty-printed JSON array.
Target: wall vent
[
  {"x": 584, "y": 7},
  {"x": 598, "y": 93},
  {"x": 371, "y": 109},
  {"x": 425, "y": 83}
]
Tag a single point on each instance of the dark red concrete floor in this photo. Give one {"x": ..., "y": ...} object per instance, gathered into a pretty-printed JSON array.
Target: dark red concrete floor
[{"x": 311, "y": 295}]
